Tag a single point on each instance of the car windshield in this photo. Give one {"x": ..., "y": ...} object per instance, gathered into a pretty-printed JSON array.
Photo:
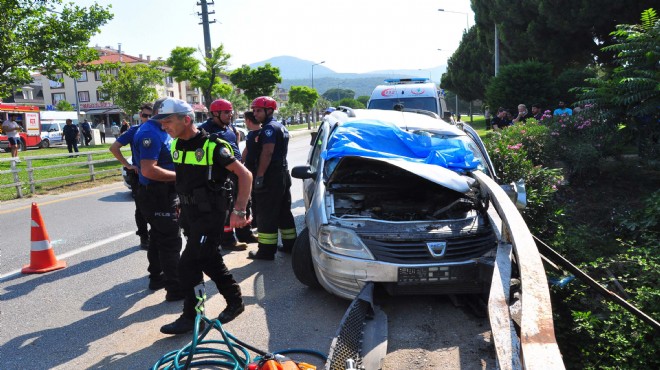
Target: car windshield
[
  {"x": 48, "y": 126},
  {"x": 425, "y": 103}
]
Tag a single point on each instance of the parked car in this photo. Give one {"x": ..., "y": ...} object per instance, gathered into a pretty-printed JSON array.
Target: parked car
[
  {"x": 389, "y": 199},
  {"x": 51, "y": 134}
]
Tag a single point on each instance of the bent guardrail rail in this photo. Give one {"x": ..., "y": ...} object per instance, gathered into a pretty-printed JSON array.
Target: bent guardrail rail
[{"x": 536, "y": 347}]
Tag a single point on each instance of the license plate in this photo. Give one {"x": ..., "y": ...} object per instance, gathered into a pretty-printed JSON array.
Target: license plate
[{"x": 423, "y": 275}]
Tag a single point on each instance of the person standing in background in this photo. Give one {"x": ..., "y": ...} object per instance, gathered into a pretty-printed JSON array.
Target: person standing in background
[
  {"x": 114, "y": 129},
  {"x": 11, "y": 129},
  {"x": 101, "y": 127},
  {"x": 131, "y": 170},
  {"x": 272, "y": 184},
  {"x": 71, "y": 136}
]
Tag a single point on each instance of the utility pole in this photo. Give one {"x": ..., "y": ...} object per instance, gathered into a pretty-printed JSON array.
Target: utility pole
[{"x": 205, "y": 23}]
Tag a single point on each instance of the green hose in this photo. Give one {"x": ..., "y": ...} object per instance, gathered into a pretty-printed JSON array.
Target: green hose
[{"x": 236, "y": 357}]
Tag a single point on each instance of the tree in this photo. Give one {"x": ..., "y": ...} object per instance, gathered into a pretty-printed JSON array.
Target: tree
[
  {"x": 631, "y": 91},
  {"x": 64, "y": 106},
  {"x": 238, "y": 101},
  {"x": 469, "y": 69},
  {"x": 290, "y": 110},
  {"x": 351, "y": 103},
  {"x": 35, "y": 38},
  {"x": 526, "y": 83},
  {"x": 132, "y": 85},
  {"x": 564, "y": 33},
  {"x": 305, "y": 96},
  {"x": 256, "y": 82},
  {"x": 364, "y": 99},
  {"x": 204, "y": 74},
  {"x": 337, "y": 94}
]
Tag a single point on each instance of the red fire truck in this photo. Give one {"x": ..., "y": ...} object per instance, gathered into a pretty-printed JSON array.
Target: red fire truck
[{"x": 28, "y": 117}]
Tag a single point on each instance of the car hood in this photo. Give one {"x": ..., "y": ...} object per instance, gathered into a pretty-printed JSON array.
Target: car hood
[{"x": 434, "y": 173}]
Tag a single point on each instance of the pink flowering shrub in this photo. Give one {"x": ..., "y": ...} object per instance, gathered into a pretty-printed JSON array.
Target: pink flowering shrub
[
  {"x": 519, "y": 152},
  {"x": 582, "y": 141}
]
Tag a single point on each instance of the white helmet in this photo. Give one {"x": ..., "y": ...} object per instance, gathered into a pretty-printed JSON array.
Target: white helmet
[{"x": 172, "y": 106}]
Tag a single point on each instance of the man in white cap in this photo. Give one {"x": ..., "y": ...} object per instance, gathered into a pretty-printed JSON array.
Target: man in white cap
[{"x": 202, "y": 164}]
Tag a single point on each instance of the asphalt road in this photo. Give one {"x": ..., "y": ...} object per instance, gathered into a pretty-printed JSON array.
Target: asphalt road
[{"x": 98, "y": 312}]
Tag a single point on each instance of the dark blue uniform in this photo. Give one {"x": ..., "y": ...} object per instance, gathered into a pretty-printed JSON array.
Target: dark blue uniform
[
  {"x": 127, "y": 139},
  {"x": 158, "y": 201},
  {"x": 204, "y": 205},
  {"x": 228, "y": 134},
  {"x": 70, "y": 133},
  {"x": 276, "y": 193}
]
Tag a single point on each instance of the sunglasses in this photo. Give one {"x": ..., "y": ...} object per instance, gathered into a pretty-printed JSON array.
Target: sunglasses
[{"x": 144, "y": 115}]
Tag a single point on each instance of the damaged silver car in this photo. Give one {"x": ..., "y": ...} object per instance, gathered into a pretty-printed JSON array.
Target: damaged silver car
[{"x": 389, "y": 199}]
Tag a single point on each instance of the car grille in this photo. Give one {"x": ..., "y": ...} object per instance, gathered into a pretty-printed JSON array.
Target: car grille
[{"x": 417, "y": 252}]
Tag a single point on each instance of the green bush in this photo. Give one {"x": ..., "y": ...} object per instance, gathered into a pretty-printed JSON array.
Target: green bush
[
  {"x": 517, "y": 153},
  {"x": 582, "y": 141},
  {"x": 601, "y": 334},
  {"x": 526, "y": 82}
]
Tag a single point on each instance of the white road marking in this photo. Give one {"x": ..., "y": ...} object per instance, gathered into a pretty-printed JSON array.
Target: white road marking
[{"x": 86, "y": 248}]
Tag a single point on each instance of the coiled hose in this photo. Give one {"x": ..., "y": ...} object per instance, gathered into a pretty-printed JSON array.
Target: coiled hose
[{"x": 235, "y": 357}]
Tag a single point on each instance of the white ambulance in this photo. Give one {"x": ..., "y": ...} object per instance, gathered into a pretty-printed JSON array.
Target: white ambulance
[{"x": 409, "y": 94}]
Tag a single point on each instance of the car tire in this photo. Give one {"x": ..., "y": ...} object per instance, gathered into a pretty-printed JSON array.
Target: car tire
[
  {"x": 44, "y": 144},
  {"x": 301, "y": 261},
  {"x": 22, "y": 147}
]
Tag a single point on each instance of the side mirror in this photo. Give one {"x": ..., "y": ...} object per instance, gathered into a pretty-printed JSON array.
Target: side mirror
[
  {"x": 302, "y": 172},
  {"x": 313, "y": 139},
  {"x": 516, "y": 191}
]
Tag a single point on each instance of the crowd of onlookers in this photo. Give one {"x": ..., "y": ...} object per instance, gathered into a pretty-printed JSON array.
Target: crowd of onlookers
[{"x": 505, "y": 117}]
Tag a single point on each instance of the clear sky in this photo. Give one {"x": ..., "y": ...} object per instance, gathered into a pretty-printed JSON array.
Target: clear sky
[{"x": 349, "y": 35}]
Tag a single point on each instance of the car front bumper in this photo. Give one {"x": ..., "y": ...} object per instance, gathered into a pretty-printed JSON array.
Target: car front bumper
[{"x": 345, "y": 276}]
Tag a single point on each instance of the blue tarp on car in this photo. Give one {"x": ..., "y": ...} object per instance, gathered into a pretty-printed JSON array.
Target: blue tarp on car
[{"x": 378, "y": 139}]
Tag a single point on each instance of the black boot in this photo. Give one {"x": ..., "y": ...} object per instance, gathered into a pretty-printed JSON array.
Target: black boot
[
  {"x": 230, "y": 312},
  {"x": 182, "y": 325}
]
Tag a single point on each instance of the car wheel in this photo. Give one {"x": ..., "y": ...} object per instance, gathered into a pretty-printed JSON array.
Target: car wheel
[
  {"x": 44, "y": 143},
  {"x": 301, "y": 261},
  {"x": 22, "y": 147}
]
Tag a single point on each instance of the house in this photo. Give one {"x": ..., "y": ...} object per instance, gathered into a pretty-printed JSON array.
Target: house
[{"x": 83, "y": 91}]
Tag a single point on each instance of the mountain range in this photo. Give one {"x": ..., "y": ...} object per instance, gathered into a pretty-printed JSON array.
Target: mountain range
[{"x": 298, "y": 72}]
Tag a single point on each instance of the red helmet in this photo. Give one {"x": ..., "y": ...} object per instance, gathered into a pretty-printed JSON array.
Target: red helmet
[
  {"x": 264, "y": 102},
  {"x": 220, "y": 105}
]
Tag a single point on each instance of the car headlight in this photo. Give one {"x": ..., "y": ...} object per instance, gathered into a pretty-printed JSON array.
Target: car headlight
[{"x": 344, "y": 242}]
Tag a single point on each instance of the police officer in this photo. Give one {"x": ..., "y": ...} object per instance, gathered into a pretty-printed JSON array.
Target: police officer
[
  {"x": 157, "y": 201},
  {"x": 220, "y": 123},
  {"x": 132, "y": 177},
  {"x": 272, "y": 185},
  {"x": 202, "y": 166},
  {"x": 250, "y": 156}
]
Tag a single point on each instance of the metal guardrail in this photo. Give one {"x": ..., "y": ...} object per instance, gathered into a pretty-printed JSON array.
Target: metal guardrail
[
  {"x": 536, "y": 346},
  {"x": 32, "y": 170}
]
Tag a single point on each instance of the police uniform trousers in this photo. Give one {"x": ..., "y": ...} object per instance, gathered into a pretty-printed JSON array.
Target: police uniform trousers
[
  {"x": 274, "y": 211},
  {"x": 202, "y": 255},
  {"x": 158, "y": 203},
  {"x": 140, "y": 221}
]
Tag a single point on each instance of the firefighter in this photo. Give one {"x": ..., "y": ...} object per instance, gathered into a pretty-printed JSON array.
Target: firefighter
[
  {"x": 220, "y": 123},
  {"x": 272, "y": 185},
  {"x": 202, "y": 165},
  {"x": 157, "y": 202}
]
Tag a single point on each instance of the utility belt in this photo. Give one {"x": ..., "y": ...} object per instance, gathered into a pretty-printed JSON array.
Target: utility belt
[
  {"x": 206, "y": 200},
  {"x": 158, "y": 186}
]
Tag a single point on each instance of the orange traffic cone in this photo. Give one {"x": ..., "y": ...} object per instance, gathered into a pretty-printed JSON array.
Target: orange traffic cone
[{"x": 42, "y": 257}]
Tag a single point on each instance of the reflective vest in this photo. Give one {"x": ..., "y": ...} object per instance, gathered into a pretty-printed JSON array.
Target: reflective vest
[
  {"x": 198, "y": 157},
  {"x": 194, "y": 167}
]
